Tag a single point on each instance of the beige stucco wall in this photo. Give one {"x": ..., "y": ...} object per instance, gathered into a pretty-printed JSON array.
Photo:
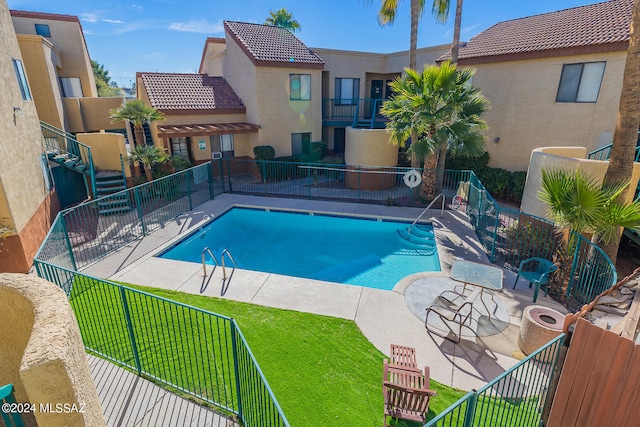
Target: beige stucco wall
[
  {"x": 106, "y": 149},
  {"x": 525, "y": 115},
  {"x": 566, "y": 158},
  {"x": 20, "y": 138},
  {"x": 95, "y": 113},
  {"x": 40, "y": 62},
  {"x": 369, "y": 147},
  {"x": 42, "y": 352},
  {"x": 68, "y": 39}
]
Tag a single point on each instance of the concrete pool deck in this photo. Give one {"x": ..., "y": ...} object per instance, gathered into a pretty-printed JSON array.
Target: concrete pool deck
[{"x": 383, "y": 316}]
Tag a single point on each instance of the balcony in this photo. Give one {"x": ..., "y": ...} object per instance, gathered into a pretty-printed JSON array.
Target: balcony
[{"x": 357, "y": 112}]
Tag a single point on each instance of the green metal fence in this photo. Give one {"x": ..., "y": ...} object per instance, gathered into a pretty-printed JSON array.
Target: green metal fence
[
  {"x": 188, "y": 349},
  {"x": 515, "y": 398},
  {"x": 84, "y": 234},
  {"x": 10, "y": 415},
  {"x": 510, "y": 236}
]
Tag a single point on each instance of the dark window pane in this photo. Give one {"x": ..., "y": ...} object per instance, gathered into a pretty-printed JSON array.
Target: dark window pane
[
  {"x": 569, "y": 83},
  {"x": 43, "y": 30}
]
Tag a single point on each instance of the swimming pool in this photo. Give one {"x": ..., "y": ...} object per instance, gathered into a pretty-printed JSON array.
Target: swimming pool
[{"x": 347, "y": 250}]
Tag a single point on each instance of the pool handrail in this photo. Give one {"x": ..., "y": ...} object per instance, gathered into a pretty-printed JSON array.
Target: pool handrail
[
  {"x": 204, "y": 264},
  {"x": 426, "y": 209}
]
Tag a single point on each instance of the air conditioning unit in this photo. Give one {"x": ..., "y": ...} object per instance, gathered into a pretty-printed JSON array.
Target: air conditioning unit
[{"x": 216, "y": 155}]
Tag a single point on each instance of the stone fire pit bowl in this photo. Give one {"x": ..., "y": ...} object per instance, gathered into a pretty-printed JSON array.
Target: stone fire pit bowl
[{"x": 539, "y": 326}]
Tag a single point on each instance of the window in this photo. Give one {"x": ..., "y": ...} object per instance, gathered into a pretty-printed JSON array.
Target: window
[
  {"x": 347, "y": 91},
  {"x": 223, "y": 143},
  {"x": 43, "y": 30},
  {"x": 300, "y": 143},
  {"x": 180, "y": 146},
  {"x": 71, "y": 87},
  {"x": 300, "y": 87},
  {"x": 22, "y": 79},
  {"x": 580, "y": 82}
]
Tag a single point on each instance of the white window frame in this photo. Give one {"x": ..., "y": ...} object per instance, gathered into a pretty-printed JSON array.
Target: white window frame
[
  {"x": 347, "y": 90},
  {"x": 304, "y": 91},
  {"x": 22, "y": 79}
]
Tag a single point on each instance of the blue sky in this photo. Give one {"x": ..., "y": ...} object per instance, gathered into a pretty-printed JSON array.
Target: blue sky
[{"x": 168, "y": 35}]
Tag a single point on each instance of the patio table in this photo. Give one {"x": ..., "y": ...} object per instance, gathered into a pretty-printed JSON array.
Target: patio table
[{"x": 485, "y": 276}]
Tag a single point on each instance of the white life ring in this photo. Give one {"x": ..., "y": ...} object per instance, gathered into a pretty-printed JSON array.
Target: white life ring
[{"x": 412, "y": 178}]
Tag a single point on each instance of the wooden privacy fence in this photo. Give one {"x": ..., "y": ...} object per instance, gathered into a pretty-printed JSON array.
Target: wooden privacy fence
[{"x": 600, "y": 380}]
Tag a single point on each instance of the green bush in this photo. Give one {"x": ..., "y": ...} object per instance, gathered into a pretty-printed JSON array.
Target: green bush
[
  {"x": 264, "y": 152},
  {"x": 458, "y": 162},
  {"x": 516, "y": 185},
  {"x": 179, "y": 162},
  {"x": 495, "y": 180},
  {"x": 318, "y": 149}
]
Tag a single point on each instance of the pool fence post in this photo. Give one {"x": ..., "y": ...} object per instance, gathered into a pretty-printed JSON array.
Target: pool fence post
[
  {"x": 236, "y": 367},
  {"x": 358, "y": 190},
  {"x": 228, "y": 174},
  {"x": 189, "y": 175},
  {"x": 127, "y": 315},
  {"x": 136, "y": 195},
  {"x": 309, "y": 182},
  {"x": 471, "y": 409}
]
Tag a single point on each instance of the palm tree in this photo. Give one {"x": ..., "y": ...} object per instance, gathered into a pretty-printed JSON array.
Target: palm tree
[
  {"x": 441, "y": 13},
  {"x": 443, "y": 110},
  {"x": 578, "y": 203},
  {"x": 626, "y": 134},
  {"x": 138, "y": 113},
  {"x": 284, "y": 19},
  {"x": 148, "y": 155}
]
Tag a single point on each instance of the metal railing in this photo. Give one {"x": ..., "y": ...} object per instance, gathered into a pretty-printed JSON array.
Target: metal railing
[
  {"x": 604, "y": 153},
  {"x": 10, "y": 415},
  {"x": 351, "y": 112},
  {"x": 57, "y": 140},
  {"x": 82, "y": 235},
  {"x": 440, "y": 197},
  {"x": 516, "y": 397},
  {"x": 188, "y": 349}
]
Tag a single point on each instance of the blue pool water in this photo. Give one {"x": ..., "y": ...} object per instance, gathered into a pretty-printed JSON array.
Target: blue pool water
[{"x": 336, "y": 249}]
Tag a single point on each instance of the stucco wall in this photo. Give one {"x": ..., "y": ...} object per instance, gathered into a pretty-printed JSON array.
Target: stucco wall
[
  {"x": 68, "y": 39},
  {"x": 369, "y": 147},
  {"x": 40, "y": 62},
  {"x": 42, "y": 352},
  {"x": 566, "y": 158},
  {"x": 21, "y": 142},
  {"x": 95, "y": 113},
  {"x": 525, "y": 115},
  {"x": 106, "y": 149}
]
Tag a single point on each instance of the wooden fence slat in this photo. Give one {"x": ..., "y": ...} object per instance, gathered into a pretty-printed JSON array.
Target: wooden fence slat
[
  {"x": 611, "y": 390},
  {"x": 627, "y": 404},
  {"x": 597, "y": 377},
  {"x": 580, "y": 357}
]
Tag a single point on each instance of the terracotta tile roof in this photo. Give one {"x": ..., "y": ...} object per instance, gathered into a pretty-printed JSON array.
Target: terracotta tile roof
[
  {"x": 593, "y": 26},
  {"x": 187, "y": 92},
  {"x": 272, "y": 46}
]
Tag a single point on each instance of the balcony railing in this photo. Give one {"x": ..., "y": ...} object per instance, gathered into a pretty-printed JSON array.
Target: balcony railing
[{"x": 356, "y": 112}]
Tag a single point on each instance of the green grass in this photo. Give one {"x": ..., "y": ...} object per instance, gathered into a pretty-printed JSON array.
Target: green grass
[{"x": 322, "y": 370}]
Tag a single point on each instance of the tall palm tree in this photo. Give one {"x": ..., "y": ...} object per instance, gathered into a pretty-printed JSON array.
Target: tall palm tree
[
  {"x": 442, "y": 109},
  {"x": 284, "y": 19},
  {"x": 626, "y": 134},
  {"x": 138, "y": 113},
  {"x": 441, "y": 13}
]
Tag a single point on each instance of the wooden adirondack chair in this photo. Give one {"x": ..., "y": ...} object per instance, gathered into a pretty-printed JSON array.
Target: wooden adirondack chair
[
  {"x": 403, "y": 357},
  {"x": 406, "y": 393}
]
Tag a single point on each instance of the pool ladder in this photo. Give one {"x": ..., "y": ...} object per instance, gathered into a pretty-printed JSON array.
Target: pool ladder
[{"x": 206, "y": 251}]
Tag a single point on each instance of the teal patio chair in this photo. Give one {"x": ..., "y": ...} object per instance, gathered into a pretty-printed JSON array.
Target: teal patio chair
[{"x": 536, "y": 271}]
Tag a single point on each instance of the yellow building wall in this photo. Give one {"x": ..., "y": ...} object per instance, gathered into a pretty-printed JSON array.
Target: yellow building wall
[
  {"x": 369, "y": 147},
  {"x": 524, "y": 113},
  {"x": 40, "y": 63},
  {"x": 68, "y": 39},
  {"x": 106, "y": 149},
  {"x": 95, "y": 113}
]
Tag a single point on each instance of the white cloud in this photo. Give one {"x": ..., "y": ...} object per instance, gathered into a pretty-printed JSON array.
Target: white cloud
[
  {"x": 136, "y": 7},
  {"x": 89, "y": 17},
  {"x": 201, "y": 26},
  {"x": 112, "y": 21}
]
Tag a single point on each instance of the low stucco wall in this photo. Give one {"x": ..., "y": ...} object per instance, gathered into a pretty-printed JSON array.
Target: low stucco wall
[
  {"x": 369, "y": 147},
  {"x": 41, "y": 352},
  {"x": 106, "y": 149},
  {"x": 567, "y": 158}
]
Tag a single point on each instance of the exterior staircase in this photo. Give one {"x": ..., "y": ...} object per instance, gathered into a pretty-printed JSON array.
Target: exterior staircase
[
  {"x": 111, "y": 199},
  {"x": 64, "y": 149}
]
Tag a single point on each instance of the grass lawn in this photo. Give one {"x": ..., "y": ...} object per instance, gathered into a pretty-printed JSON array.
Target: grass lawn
[{"x": 322, "y": 370}]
